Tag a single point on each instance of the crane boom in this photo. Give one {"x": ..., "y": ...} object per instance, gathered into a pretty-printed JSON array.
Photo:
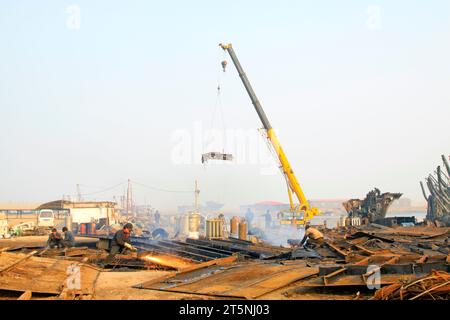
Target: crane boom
[{"x": 293, "y": 184}]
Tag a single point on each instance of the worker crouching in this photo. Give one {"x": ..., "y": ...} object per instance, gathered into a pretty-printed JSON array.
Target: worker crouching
[
  {"x": 121, "y": 242},
  {"x": 54, "y": 239},
  {"x": 313, "y": 237},
  {"x": 68, "y": 241}
]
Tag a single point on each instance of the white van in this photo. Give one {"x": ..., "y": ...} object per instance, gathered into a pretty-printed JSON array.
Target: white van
[{"x": 46, "y": 218}]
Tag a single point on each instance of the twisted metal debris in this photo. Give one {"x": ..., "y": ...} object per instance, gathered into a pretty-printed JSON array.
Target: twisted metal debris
[{"x": 438, "y": 184}]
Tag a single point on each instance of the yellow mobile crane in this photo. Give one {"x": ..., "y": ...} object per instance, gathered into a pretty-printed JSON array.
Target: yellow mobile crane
[{"x": 299, "y": 213}]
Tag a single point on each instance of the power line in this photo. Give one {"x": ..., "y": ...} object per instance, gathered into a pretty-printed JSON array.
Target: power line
[
  {"x": 103, "y": 190},
  {"x": 162, "y": 190}
]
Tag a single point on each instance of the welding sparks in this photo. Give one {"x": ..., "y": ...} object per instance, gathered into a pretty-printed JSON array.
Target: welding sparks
[
  {"x": 153, "y": 259},
  {"x": 167, "y": 261}
]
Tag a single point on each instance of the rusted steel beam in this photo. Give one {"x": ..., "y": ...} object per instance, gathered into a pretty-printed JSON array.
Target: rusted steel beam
[
  {"x": 363, "y": 249},
  {"x": 363, "y": 261},
  {"x": 342, "y": 270},
  {"x": 422, "y": 259},
  {"x": 392, "y": 260},
  {"x": 192, "y": 248},
  {"x": 166, "y": 249},
  {"x": 339, "y": 251},
  {"x": 333, "y": 274}
]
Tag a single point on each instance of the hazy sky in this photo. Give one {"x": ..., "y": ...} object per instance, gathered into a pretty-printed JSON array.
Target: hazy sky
[{"x": 96, "y": 92}]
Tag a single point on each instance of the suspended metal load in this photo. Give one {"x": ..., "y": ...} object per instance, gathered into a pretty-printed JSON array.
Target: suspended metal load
[{"x": 216, "y": 156}]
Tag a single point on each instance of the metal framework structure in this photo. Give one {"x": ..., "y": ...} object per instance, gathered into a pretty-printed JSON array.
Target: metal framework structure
[{"x": 438, "y": 184}]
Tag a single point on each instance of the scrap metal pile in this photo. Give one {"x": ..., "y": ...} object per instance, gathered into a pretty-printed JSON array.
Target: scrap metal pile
[
  {"x": 351, "y": 258},
  {"x": 376, "y": 255},
  {"x": 405, "y": 262},
  {"x": 33, "y": 274},
  {"x": 434, "y": 286},
  {"x": 438, "y": 184},
  {"x": 373, "y": 207}
]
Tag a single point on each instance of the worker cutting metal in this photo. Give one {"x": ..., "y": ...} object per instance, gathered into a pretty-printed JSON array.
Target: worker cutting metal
[
  {"x": 312, "y": 236},
  {"x": 121, "y": 241}
]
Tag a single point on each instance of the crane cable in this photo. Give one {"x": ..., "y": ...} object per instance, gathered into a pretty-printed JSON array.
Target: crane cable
[
  {"x": 263, "y": 133},
  {"x": 218, "y": 106}
]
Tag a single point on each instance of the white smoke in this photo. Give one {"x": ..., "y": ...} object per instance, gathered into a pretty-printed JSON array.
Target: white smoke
[{"x": 279, "y": 235}]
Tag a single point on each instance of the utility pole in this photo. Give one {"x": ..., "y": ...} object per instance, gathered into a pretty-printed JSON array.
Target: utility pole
[
  {"x": 122, "y": 202},
  {"x": 197, "y": 193},
  {"x": 79, "y": 199},
  {"x": 129, "y": 198}
]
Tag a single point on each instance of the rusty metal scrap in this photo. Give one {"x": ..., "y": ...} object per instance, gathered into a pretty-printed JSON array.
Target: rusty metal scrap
[
  {"x": 438, "y": 184},
  {"x": 245, "y": 281},
  {"x": 26, "y": 272},
  {"x": 434, "y": 286},
  {"x": 373, "y": 207}
]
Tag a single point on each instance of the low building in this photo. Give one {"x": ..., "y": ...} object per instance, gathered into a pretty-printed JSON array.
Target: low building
[
  {"x": 86, "y": 212},
  {"x": 18, "y": 207}
]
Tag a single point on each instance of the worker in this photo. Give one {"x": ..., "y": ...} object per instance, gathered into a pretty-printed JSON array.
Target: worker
[
  {"x": 54, "y": 239},
  {"x": 157, "y": 217},
  {"x": 68, "y": 240},
  {"x": 121, "y": 241},
  {"x": 268, "y": 219},
  {"x": 312, "y": 236}
]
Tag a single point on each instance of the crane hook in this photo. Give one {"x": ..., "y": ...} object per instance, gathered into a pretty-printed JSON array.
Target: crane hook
[{"x": 224, "y": 65}]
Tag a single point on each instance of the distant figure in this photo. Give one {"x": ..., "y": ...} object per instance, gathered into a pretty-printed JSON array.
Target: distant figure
[
  {"x": 121, "y": 241},
  {"x": 312, "y": 236},
  {"x": 54, "y": 239},
  {"x": 69, "y": 240},
  {"x": 157, "y": 217},
  {"x": 268, "y": 219},
  {"x": 249, "y": 217},
  {"x": 224, "y": 222}
]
